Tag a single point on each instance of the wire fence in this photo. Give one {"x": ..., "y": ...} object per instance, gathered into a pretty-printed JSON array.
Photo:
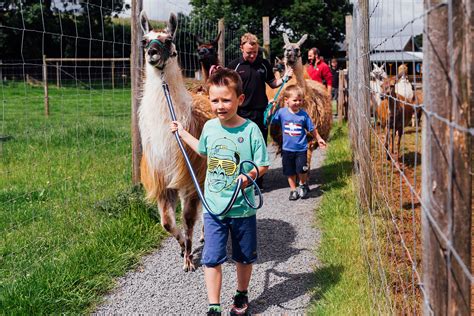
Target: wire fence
[
  {"x": 410, "y": 116},
  {"x": 57, "y": 169}
]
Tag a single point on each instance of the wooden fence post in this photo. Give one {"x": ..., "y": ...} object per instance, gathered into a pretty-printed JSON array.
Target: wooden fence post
[
  {"x": 364, "y": 104},
  {"x": 221, "y": 49},
  {"x": 266, "y": 35},
  {"x": 348, "y": 37},
  {"x": 446, "y": 166},
  {"x": 136, "y": 66},
  {"x": 340, "y": 97},
  {"x": 45, "y": 85}
]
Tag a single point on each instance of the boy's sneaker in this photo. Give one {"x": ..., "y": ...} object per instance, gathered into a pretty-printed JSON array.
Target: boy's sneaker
[
  {"x": 213, "y": 312},
  {"x": 303, "y": 190},
  {"x": 240, "y": 306},
  {"x": 294, "y": 196}
]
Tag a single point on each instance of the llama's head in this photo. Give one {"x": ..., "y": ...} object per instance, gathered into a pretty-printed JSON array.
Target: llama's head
[
  {"x": 158, "y": 44},
  {"x": 402, "y": 71},
  {"x": 207, "y": 51},
  {"x": 279, "y": 66},
  {"x": 378, "y": 72},
  {"x": 292, "y": 51}
]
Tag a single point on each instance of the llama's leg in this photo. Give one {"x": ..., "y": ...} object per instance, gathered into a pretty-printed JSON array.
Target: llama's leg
[
  {"x": 201, "y": 238},
  {"x": 167, "y": 206},
  {"x": 387, "y": 142},
  {"x": 190, "y": 214},
  {"x": 400, "y": 135},
  {"x": 309, "y": 155}
]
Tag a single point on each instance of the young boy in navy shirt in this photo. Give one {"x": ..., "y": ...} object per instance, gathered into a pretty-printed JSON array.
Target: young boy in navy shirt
[{"x": 294, "y": 123}]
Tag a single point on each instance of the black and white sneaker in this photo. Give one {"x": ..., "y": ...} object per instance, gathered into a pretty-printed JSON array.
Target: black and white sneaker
[
  {"x": 303, "y": 191},
  {"x": 240, "y": 306},
  {"x": 294, "y": 195}
]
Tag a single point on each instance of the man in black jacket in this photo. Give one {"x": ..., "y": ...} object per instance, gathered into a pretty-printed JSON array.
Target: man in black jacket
[{"x": 255, "y": 72}]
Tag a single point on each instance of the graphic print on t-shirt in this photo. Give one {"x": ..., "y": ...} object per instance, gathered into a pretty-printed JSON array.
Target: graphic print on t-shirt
[
  {"x": 222, "y": 164},
  {"x": 293, "y": 129}
]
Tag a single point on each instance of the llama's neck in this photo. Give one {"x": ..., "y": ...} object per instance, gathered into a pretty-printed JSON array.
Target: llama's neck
[
  {"x": 206, "y": 67},
  {"x": 298, "y": 73},
  {"x": 154, "y": 114},
  {"x": 154, "y": 96}
]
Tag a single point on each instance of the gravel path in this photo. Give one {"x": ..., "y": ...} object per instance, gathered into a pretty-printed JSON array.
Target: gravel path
[{"x": 281, "y": 279}]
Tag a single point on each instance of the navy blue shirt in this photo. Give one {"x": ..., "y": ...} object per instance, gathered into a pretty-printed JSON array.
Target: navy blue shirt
[
  {"x": 293, "y": 128},
  {"x": 254, "y": 76}
]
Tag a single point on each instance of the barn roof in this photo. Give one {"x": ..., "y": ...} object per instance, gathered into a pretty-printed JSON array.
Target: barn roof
[
  {"x": 397, "y": 56},
  {"x": 392, "y": 44}
]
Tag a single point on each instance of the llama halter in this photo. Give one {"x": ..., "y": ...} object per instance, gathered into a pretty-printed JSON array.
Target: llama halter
[
  {"x": 238, "y": 186},
  {"x": 164, "y": 49}
]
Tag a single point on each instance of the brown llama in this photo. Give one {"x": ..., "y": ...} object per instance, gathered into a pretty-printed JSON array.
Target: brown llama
[
  {"x": 163, "y": 170},
  {"x": 207, "y": 55},
  {"x": 395, "y": 113},
  {"x": 317, "y": 101}
]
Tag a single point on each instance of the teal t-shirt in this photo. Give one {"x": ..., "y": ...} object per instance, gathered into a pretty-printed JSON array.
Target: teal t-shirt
[{"x": 225, "y": 148}]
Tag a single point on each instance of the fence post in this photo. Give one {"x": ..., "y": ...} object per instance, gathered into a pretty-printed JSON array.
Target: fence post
[
  {"x": 340, "y": 96},
  {"x": 364, "y": 104},
  {"x": 45, "y": 85},
  {"x": 461, "y": 59},
  {"x": 447, "y": 199},
  {"x": 266, "y": 35},
  {"x": 136, "y": 65},
  {"x": 221, "y": 49},
  {"x": 348, "y": 37}
]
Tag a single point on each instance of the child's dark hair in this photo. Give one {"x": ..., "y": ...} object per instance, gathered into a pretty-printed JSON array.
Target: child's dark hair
[
  {"x": 227, "y": 78},
  {"x": 293, "y": 89}
]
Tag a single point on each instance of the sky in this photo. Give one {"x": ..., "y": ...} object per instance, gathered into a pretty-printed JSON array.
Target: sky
[
  {"x": 160, "y": 9},
  {"x": 389, "y": 16}
]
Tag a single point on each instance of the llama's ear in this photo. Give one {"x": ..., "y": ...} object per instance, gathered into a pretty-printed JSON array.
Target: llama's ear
[
  {"x": 144, "y": 23},
  {"x": 375, "y": 66},
  {"x": 199, "y": 40},
  {"x": 383, "y": 66},
  {"x": 285, "y": 39},
  {"x": 172, "y": 25},
  {"x": 302, "y": 40},
  {"x": 215, "y": 41}
]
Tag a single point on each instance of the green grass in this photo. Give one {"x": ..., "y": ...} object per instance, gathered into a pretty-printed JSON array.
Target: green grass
[
  {"x": 341, "y": 286},
  {"x": 69, "y": 217}
]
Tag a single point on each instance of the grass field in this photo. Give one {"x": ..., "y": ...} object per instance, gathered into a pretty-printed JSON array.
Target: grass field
[
  {"x": 69, "y": 217},
  {"x": 341, "y": 283}
]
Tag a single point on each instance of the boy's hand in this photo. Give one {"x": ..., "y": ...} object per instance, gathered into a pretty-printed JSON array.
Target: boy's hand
[
  {"x": 176, "y": 126},
  {"x": 321, "y": 142},
  {"x": 288, "y": 74},
  {"x": 245, "y": 181}
]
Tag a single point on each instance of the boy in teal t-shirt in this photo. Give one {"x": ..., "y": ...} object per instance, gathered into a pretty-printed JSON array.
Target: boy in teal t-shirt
[{"x": 226, "y": 141}]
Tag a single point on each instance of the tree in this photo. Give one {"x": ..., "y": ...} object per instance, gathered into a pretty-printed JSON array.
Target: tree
[
  {"x": 33, "y": 28},
  {"x": 322, "y": 20}
]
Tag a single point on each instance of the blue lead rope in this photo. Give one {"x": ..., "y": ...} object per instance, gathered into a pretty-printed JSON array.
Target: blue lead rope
[
  {"x": 196, "y": 182},
  {"x": 270, "y": 104}
]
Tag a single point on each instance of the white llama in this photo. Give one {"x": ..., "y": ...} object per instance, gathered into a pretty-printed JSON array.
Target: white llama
[{"x": 163, "y": 170}]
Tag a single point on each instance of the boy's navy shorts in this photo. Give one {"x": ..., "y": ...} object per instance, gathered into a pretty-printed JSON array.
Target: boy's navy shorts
[
  {"x": 294, "y": 162},
  {"x": 243, "y": 232}
]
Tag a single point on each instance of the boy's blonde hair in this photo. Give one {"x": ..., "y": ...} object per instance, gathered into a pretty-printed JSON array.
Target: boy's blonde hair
[
  {"x": 249, "y": 38},
  {"x": 293, "y": 88},
  {"x": 224, "y": 77}
]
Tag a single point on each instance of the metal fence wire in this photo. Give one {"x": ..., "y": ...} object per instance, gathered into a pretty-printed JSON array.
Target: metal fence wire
[{"x": 410, "y": 117}]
